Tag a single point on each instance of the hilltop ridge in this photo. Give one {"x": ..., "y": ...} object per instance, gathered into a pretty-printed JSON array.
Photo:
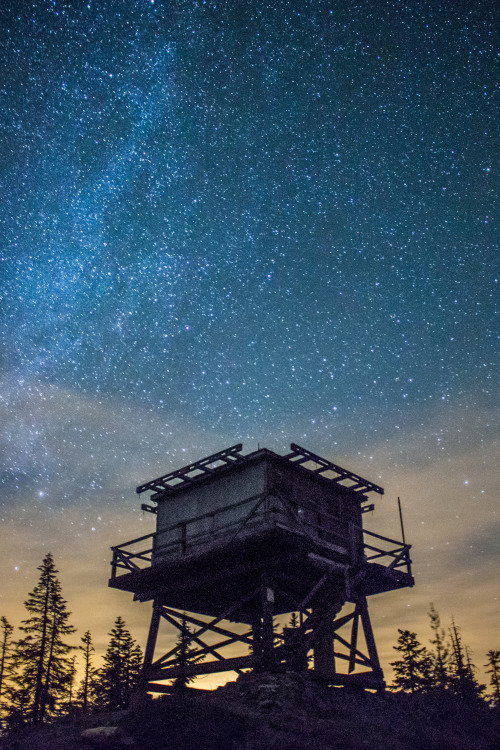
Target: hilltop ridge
[{"x": 288, "y": 711}]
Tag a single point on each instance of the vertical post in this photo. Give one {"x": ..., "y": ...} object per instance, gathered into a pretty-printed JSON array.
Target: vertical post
[
  {"x": 354, "y": 640},
  {"x": 257, "y": 641},
  {"x": 401, "y": 522},
  {"x": 152, "y": 636},
  {"x": 267, "y": 595},
  {"x": 362, "y": 607},
  {"x": 407, "y": 554},
  {"x": 324, "y": 656}
]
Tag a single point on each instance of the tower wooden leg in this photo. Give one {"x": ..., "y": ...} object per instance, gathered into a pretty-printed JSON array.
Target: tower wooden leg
[
  {"x": 152, "y": 636},
  {"x": 267, "y": 625},
  {"x": 362, "y": 607},
  {"x": 324, "y": 657}
]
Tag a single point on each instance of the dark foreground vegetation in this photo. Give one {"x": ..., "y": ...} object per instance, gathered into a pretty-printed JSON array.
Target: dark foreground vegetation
[{"x": 279, "y": 712}]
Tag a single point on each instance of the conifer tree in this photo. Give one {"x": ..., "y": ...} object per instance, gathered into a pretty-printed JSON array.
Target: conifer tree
[
  {"x": 20, "y": 700},
  {"x": 122, "y": 664},
  {"x": 293, "y": 640},
  {"x": 5, "y": 654},
  {"x": 441, "y": 651},
  {"x": 294, "y": 620},
  {"x": 40, "y": 657},
  {"x": 70, "y": 684},
  {"x": 186, "y": 654},
  {"x": 459, "y": 664},
  {"x": 413, "y": 672},
  {"x": 494, "y": 671},
  {"x": 86, "y": 693},
  {"x": 463, "y": 679}
]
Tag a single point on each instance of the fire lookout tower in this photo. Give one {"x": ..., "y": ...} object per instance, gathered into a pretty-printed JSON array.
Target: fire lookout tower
[{"x": 241, "y": 539}]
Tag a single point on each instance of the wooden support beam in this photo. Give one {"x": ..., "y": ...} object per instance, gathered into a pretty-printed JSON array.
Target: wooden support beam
[
  {"x": 166, "y": 613},
  {"x": 207, "y": 667},
  {"x": 267, "y": 599},
  {"x": 152, "y": 636},
  {"x": 354, "y": 640},
  {"x": 303, "y": 604},
  {"x": 163, "y": 662},
  {"x": 192, "y": 637},
  {"x": 369, "y": 638},
  {"x": 360, "y": 657},
  {"x": 324, "y": 658},
  {"x": 206, "y": 626}
]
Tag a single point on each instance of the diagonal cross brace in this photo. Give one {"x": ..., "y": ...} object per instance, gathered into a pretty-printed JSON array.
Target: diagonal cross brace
[{"x": 192, "y": 637}]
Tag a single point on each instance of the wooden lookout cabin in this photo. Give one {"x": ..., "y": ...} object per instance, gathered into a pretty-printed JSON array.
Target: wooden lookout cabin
[{"x": 243, "y": 539}]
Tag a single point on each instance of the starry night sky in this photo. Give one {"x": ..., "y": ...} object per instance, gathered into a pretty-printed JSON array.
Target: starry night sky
[{"x": 231, "y": 222}]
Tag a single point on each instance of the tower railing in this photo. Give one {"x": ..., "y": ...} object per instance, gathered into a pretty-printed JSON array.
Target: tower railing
[
  {"x": 398, "y": 556},
  {"x": 127, "y": 557},
  {"x": 222, "y": 526}
]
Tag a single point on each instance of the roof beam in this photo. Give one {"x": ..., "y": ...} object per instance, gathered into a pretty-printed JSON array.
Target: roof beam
[
  {"x": 301, "y": 455},
  {"x": 167, "y": 482}
]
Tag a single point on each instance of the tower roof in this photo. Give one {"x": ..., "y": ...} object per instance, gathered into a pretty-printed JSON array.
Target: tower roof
[{"x": 231, "y": 459}]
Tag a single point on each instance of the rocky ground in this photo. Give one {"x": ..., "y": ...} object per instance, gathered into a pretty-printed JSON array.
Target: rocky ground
[{"x": 277, "y": 712}]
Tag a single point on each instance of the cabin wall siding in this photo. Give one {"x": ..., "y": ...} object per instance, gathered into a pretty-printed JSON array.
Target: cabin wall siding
[{"x": 210, "y": 514}]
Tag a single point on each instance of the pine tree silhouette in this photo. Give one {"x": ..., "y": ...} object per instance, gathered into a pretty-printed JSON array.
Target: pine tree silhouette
[
  {"x": 413, "y": 672},
  {"x": 86, "y": 693},
  {"x": 122, "y": 663},
  {"x": 186, "y": 654},
  {"x": 41, "y": 657},
  {"x": 463, "y": 678},
  {"x": 494, "y": 664},
  {"x": 441, "y": 655},
  {"x": 5, "y": 656}
]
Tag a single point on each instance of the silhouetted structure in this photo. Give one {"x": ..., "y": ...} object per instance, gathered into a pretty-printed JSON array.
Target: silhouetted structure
[{"x": 243, "y": 538}]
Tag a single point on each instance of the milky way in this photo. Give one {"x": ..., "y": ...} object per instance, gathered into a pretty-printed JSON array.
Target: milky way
[{"x": 228, "y": 221}]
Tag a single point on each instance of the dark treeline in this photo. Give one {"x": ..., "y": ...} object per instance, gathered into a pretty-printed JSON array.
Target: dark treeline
[
  {"x": 38, "y": 670},
  {"x": 446, "y": 666}
]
